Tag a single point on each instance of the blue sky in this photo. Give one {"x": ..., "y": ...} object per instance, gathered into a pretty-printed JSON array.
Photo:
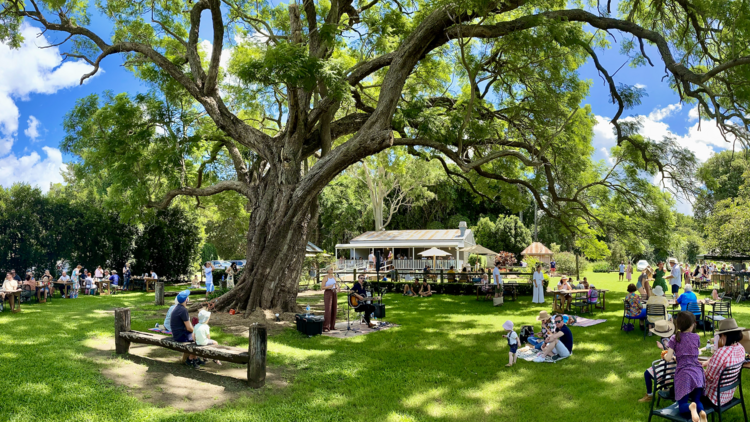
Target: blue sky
[{"x": 36, "y": 91}]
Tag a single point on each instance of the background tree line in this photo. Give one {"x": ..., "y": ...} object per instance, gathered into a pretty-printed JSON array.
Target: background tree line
[{"x": 38, "y": 231}]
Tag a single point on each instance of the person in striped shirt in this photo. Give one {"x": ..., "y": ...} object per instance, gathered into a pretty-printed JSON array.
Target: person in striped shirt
[{"x": 729, "y": 352}]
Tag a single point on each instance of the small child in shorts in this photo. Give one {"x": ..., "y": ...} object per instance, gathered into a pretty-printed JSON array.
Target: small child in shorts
[
  {"x": 512, "y": 338},
  {"x": 202, "y": 332}
]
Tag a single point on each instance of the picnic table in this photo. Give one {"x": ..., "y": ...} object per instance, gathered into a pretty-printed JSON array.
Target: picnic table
[
  {"x": 562, "y": 293},
  {"x": 15, "y": 299},
  {"x": 703, "y": 302},
  {"x": 512, "y": 287},
  {"x": 101, "y": 284},
  {"x": 64, "y": 285}
]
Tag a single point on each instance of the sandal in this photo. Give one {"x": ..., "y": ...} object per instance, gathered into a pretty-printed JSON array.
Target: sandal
[{"x": 217, "y": 362}]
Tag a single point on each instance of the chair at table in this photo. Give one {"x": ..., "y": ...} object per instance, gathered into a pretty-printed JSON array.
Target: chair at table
[
  {"x": 27, "y": 293},
  {"x": 581, "y": 301},
  {"x": 625, "y": 316},
  {"x": 663, "y": 386},
  {"x": 695, "y": 308},
  {"x": 719, "y": 311},
  {"x": 729, "y": 378},
  {"x": 658, "y": 311}
]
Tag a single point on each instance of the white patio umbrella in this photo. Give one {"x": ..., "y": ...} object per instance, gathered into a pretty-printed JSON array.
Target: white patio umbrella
[
  {"x": 433, "y": 252},
  {"x": 478, "y": 250}
]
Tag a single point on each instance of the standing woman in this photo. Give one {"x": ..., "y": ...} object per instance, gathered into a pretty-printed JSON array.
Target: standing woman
[
  {"x": 126, "y": 277},
  {"x": 538, "y": 281},
  {"x": 208, "y": 269},
  {"x": 98, "y": 273},
  {"x": 330, "y": 301},
  {"x": 629, "y": 272},
  {"x": 231, "y": 271}
]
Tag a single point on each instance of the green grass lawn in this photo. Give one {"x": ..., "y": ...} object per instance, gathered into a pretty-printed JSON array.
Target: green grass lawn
[{"x": 445, "y": 362}]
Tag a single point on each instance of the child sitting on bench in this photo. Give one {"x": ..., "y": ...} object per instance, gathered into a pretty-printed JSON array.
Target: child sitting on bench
[{"x": 202, "y": 331}]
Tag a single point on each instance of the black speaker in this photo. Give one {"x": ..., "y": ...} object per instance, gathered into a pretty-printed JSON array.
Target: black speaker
[
  {"x": 311, "y": 325},
  {"x": 378, "y": 260},
  {"x": 379, "y": 310}
]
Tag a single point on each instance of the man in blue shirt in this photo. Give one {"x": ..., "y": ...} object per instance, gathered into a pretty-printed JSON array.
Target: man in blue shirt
[
  {"x": 560, "y": 343},
  {"x": 114, "y": 278},
  {"x": 182, "y": 328},
  {"x": 358, "y": 291}
]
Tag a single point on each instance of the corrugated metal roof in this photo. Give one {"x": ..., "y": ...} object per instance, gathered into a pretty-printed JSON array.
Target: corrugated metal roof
[
  {"x": 409, "y": 235},
  {"x": 536, "y": 248},
  {"x": 441, "y": 244}
]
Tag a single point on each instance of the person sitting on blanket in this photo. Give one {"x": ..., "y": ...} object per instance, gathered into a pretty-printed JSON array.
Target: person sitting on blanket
[
  {"x": 560, "y": 343},
  {"x": 548, "y": 327}
]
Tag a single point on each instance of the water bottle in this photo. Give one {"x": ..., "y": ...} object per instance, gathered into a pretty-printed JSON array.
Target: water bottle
[
  {"x": 157, "y": 326},
  {"x": 307, "y": 310}
]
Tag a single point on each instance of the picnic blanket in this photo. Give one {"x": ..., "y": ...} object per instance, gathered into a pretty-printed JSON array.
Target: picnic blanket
[
  {"x": 160, "y": 331},
  {"x": 586, "y": 322},
  {"x": 528, "y": 354}
]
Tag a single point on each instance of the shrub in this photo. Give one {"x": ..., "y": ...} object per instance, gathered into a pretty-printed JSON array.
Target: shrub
[
  {"x": 566, "y": 263},
  {"x": 600, "y": 267}
]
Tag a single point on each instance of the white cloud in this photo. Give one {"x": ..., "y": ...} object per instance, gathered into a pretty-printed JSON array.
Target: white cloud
[
  {"x": 25, "y": 71},
  {"x": 640, "y": 86},
  {"x": 32, "y": 131},
  {"x": 703, "y": 138},
  {"x": 32, "y": 169},
  {"x": 660, "y": 114}
]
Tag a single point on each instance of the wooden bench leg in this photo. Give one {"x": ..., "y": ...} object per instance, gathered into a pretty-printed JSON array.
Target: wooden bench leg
[
  {"x": 122, "y": 323},
  {"x": 256, "y": 365}
]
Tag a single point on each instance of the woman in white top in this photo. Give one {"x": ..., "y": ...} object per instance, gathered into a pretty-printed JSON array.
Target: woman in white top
[
  {"x": 330, "y": 301},
  {"x": 538, "y": 281},
  {"x": 208, "y": 269},
  {"x": 98, "y": 273}
]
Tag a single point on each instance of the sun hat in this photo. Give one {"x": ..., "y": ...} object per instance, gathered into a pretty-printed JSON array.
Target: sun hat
[
  {"x": 508, "y": 325},
  {"x": 672, "y": 260},
  {"x": 728, "y": 325},
  {"x": 203, "y": 316},
  {"x": 182, "y": 297},
  {"x": 658, "y": 291},
  {"x": 543, "y": 316},
  {"x": 663, "y": 328}
]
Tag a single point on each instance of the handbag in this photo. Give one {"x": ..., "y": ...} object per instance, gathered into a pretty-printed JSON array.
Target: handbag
[{"x": 498, "y": 301}]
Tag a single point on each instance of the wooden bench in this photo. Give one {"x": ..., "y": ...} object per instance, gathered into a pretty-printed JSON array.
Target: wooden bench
[{"x": 254, "y": 356}]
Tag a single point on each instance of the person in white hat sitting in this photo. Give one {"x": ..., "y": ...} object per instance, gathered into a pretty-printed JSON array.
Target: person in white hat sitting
[
  {"x": 657, "y": 298},
  {"x": 729, "y": 352}
]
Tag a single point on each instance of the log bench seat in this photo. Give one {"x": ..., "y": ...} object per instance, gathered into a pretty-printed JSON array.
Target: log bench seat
[{"x": 254, "y": 357}]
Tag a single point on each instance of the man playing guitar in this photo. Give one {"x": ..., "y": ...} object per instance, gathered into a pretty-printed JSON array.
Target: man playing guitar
[{"x": 359, "y": 295}]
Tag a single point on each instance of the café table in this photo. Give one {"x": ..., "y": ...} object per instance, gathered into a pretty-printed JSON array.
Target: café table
[
  {"x": 103, "y": 284},
  {"x": 14, "y": 298},
  {"x": 562, "y": 293},
  {"x": 64, "y": 286}
]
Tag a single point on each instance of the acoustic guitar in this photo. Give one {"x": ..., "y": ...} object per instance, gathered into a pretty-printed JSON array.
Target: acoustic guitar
[{"x": 354, "y": 302}]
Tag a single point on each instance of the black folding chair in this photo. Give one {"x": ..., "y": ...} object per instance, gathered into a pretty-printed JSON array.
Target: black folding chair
[
  {"x": 730, "y": 378},
  {"x": 663, "y": 386},
  {"x": 657, "y": 311},
  {"x": 695, "y": 308},
  {"x": 719, "y": 311},
  {"x": 625, "y": 316},
  {"x": 581, "y": 301}
]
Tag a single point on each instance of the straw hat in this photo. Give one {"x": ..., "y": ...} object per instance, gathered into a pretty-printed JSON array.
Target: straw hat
[
  {"x": 543, "y": 316},
  {"x": 727, "y": 326},
  {"x": 658, "y": 291},
  {"x": 508, "y": 325},
  {"x": 663, "y": 328}
]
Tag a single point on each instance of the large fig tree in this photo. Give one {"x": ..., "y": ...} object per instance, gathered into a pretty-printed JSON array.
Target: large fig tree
[{"x": 489, "y": 88}]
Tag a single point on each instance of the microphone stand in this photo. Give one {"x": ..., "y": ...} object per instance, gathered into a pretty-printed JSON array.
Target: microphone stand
[{"x": 348, "y": 307}]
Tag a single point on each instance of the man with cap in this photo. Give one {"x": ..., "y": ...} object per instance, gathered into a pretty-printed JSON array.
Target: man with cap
[
  {"x": 663, "y": 329},
  {"x": 729, "y": 352},
  {"x": 676, "y": 276},
  {"x": 182, "y": 328}
]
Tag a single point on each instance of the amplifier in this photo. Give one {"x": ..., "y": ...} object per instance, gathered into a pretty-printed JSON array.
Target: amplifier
[
  {"x": 379, "y": 310},
  {"x": 310, "y": 325}
]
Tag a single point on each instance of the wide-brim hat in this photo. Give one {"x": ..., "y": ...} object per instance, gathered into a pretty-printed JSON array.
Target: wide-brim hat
[
  {"x": 508, "y": 325},
  {"x": 728, "y": 325},
  {"x": 672, "y": 259},
  {"x": 543, "y": 316},
  {"x": 658, "y": 291},
  {"x": 663, "y": 328}
]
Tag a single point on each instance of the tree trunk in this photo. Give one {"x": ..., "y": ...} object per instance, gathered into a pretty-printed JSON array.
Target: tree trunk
[{"x": 276, "y": 241}]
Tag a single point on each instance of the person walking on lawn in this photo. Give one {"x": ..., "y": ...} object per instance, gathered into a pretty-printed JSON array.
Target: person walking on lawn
[{"x": 622, "y": 271}]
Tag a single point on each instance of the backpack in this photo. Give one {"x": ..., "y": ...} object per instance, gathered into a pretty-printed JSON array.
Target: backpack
[{"x": 526, "y": 332}]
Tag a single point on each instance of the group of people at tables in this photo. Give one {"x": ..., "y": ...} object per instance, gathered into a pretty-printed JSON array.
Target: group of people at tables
[
  {"x": 567, "y": 284},
  {"x": 695, "y": 380}
]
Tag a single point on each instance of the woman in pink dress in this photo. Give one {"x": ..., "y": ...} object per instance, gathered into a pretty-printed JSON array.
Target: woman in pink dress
[{"x": 629, "y": 272}]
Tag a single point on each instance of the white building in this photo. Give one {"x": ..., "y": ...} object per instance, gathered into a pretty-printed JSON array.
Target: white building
[{"x": 406, "y": 244}]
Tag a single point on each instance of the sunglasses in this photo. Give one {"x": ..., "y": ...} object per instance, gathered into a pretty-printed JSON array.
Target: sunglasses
[{"x": 558, "y": 322}]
